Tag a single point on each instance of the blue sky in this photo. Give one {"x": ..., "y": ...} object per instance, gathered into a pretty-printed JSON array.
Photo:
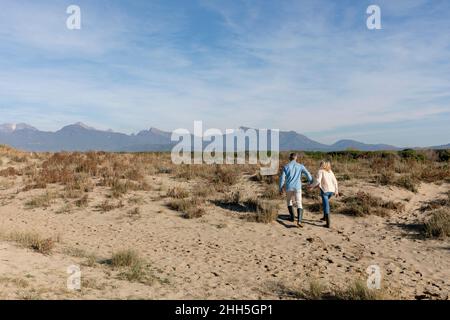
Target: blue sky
[{"x": 309, "y": 66}]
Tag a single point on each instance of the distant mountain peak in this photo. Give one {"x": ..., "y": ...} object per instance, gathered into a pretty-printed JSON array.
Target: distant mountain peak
[
  {"x": 12, "y": 127},
  {"x": 84, "y": 126},
  {"x": 156, "y": 130},
  {"x": 78, "y": 125},
  {"x": 346, "y": 144}
]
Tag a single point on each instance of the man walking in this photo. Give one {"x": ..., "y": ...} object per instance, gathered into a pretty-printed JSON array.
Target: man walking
[{"x": 292, "y": 176}]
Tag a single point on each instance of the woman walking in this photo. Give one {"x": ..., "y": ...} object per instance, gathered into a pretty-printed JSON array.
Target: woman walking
[{"x": 328, "y": 185}]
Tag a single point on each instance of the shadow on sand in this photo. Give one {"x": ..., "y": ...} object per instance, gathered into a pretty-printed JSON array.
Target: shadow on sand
[
  {"x": 411, "y": 230},
  {"x": 284, "y": 220}
]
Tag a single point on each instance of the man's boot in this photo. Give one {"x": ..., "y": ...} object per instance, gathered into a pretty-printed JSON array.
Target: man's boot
[
  {"x": 328, "y": 220},
  {"x": 324, "y": 218},
  {"x": 291, "y": 213},
  {"x": 300, "y": 217}
]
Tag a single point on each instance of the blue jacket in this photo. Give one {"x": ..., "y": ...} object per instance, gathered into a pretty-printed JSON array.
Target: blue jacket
[{"x": 292, "y": 175}]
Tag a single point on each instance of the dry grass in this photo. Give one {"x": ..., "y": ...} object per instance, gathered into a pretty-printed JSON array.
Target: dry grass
[
  {"x": 134, "y": 213},
  {"x": 79, "y": 174},
  {"x": 33, "y": 241},
  {"x": 125, "y": 258},
  {"x": 363, "y": 204},
  {"x": 178, "y": 193},
  {"x": 438, "y": 225},
  {"x": 17, "y": 282},
  {"x": 264, "y": 211},
  {"x": 193, "y": 213},
  {"x": 190, "y": 208},
  {"x": 107, "y": 206},
  {"x": 256, "y": 209},
  {"x": 407, "y": 182},
  {"x": 355, "y": 290},
  {"x": 44, "y": 200},
  {"x": 358, "y": 290},
  {"x": 132, "y": 267},
  {"x": 315, "y": 291},
  {"x": 82, "y": 202},
  {"x": 9, "y": 172},
  {"x": 271, "y": 192}
]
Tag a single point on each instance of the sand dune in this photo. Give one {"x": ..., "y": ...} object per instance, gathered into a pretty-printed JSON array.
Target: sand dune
[{"x": 217, "y": 256}]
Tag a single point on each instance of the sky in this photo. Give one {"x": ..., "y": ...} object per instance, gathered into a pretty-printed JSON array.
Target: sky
[{"x": 309, "y": 66}]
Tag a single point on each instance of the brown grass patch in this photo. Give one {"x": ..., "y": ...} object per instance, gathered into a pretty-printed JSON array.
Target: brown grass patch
[
  {"x": 438, "y": 225},
  {"x": 33, "y": 241},
  {"x": 177, "y": 193},
  {"x": 363, "y": 204}
]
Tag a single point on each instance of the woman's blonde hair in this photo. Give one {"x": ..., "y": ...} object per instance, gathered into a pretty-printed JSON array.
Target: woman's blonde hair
[{"x": 325, "y": 165}]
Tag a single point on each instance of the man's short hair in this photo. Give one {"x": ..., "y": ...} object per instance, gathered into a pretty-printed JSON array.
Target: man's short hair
[{"x": 293, "y": 156}]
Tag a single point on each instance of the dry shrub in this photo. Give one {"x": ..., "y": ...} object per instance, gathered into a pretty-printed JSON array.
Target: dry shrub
[
  {"x": 65, "y": 209},
  {"x": 135, "y": 212},
  {"x": 363, "y": 204},
  {"x": 271, "y": 192},
  {"x": 120, "y": 188},
  {"x": 438, "y": 225},
  {"x": 125, "y": 258},
  {"x": 190, "y": 208},
  {"x": 358, "y": 290},
  {"x": 178, "y": 193},
  {"x": 13, "y": 154},
  {"x": 405, "y": 181},
  {"x": 82, "y": 202},
  {"x": 190, "y": 172},
  {"x": 317, "y": 206},
  {"x": 133, "y": 267},
  {"x": 136, "y": 273},
  {"x": 193, "y": 213},
  {"x": 225, "y": 174},
  {"x": 9, "y": 172},
  {"x": 37, "y": 185},
  {"x": 258, "y": 177},
  {"x": 355, "y": 290},
  {"x": 77, "y": 172},
  {"x": 33, "y": 241},
  {"x": 264, "y": 211},
  {"x": 434, "y": 172},
  {"x": 164, "y": 170},
  {"x": 79, "y": 182},
  {"x": 41, "y": 201},
  {"x": 136, "y": 200},
  {"x": 107, "y": 206},
  {"x": 203, "y": 190}
]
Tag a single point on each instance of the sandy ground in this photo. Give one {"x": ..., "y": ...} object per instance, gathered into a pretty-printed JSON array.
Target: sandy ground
[{"x": 220, "y": 256}]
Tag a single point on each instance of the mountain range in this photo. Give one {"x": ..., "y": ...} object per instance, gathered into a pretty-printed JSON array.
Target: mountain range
[{"x": 80, "y": 137}]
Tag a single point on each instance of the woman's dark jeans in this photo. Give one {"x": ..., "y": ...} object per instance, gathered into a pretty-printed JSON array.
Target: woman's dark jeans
[{"x": 326, "y": 201}]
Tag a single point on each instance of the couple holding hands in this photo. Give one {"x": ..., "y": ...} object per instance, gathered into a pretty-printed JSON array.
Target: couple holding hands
[{"x": 291, "y": 176}]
